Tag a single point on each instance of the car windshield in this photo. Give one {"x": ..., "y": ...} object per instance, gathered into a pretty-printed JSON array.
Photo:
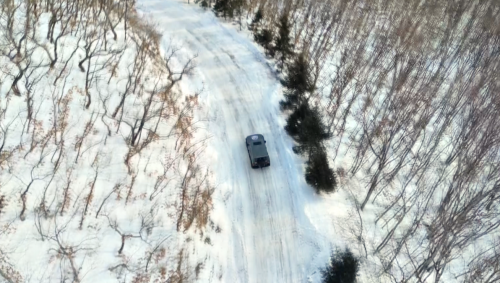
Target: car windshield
[{"x": 257, "y": 143}]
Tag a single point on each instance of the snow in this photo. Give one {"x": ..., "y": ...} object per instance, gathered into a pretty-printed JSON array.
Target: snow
[
  {"x": 31, "y": 245},
  {"x": 274, "y": 227},
  {"x": 266, "y": 225}
]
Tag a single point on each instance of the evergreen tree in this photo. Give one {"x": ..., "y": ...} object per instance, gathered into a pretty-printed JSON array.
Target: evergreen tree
[
  {"x": 306, "y": 127},
  {"x": 204, "y": 4},
  {"x": 344, "y": 268},
  {"x": 223, "y": 7},
  {"x": 259, "y": 15},
  {"x": 265, "y": 39},
  {"x": 319, "y": 174},
  {"x": 228, "y": 8},
  {"x": 298, "y": 82},
  {"x": 282, "y": 46}
]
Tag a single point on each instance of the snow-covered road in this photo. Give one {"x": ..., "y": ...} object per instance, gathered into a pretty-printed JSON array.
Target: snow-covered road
[{"x": 272, "y": 226}]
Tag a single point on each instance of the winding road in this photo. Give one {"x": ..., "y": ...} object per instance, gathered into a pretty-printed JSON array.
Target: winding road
[{"x": 268, "y": 233}]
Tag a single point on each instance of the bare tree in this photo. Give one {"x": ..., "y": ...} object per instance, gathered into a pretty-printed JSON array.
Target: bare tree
[
  {"x": 66, "y": 252},
  {"x": 88, "y": 199},
  {"x": 146, "y": 224}
]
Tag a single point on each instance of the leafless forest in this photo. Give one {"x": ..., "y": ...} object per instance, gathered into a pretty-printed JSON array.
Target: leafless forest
[
  {"x": 409, "y": 89},
  {"x": 86, "y": 96},
  {"x": 411, "y": 93}
]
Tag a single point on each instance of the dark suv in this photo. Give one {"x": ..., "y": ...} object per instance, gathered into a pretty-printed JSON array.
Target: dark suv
[{"x": 257, "y": 151}]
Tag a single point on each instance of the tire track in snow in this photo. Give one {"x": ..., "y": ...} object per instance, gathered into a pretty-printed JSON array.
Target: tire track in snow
[
  {"x": 238, "y": 231},
  {"x": 262, "y": 199}
]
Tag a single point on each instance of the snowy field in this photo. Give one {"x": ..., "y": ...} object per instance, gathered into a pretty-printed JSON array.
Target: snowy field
[{"x": 98, "y": 173}]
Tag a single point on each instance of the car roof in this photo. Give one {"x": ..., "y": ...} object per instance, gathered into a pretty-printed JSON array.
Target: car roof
[{"x": 257, "y": 150}]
